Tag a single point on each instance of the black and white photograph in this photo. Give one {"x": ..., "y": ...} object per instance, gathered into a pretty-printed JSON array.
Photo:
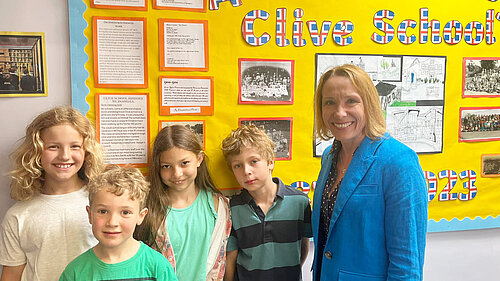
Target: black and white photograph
[
  {"x": 266, "y": 81},
  {"x": 378, "y": 67},
  {"x": 279, "y": 130},
  {"x": 411, "y": 92},
  {"x": 197, "y": 126},
  {"x": 481, "y": 77},
  {"x": 479, "y": 123},
  {"x": 320, "y": 145},
  {"x": 22, "y": 68},
  {"x": 490, "y": 165}
]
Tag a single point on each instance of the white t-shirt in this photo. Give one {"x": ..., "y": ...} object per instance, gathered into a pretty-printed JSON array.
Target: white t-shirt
[{"x": 46, "y": 233}]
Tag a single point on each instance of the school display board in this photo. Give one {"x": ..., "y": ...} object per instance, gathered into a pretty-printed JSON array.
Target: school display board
[{"x": 139, "y": 65}]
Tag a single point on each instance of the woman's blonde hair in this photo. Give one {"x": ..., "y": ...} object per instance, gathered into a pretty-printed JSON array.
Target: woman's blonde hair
[
  {"x": 27, "y": 174},
  {"x": 157, "y": 202},
  {"x": 375, "y": 122}
]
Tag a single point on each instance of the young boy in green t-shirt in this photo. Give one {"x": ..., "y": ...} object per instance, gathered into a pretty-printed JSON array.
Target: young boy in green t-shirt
[{"x": 117, "y": 204}]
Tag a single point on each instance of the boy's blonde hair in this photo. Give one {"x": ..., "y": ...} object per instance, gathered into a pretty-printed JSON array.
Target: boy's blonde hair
[
  {"x": 248, "y": 136},
  {"x": 117, "y": 180},
  {"x": 27, "y": 173}
]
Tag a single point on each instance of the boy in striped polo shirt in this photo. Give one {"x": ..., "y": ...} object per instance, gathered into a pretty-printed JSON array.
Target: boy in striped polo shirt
[{"x": 271, "y": 221}]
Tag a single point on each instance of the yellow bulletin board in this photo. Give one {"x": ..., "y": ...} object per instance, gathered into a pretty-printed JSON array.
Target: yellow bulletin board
[{"x": 250, "y": 30}]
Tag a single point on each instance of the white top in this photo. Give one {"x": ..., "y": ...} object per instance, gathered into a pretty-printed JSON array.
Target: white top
[{"x": 46, "y": 233}]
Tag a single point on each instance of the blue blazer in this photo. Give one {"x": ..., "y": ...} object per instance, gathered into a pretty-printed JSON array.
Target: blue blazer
[{"x": 379, "y": 223}]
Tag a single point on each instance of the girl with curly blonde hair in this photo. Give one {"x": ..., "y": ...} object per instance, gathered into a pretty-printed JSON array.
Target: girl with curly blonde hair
[{"x": 48, "y": 226}]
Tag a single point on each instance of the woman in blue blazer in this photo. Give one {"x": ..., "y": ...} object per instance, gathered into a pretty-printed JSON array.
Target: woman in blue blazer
[{"x": 370, "y": 204}]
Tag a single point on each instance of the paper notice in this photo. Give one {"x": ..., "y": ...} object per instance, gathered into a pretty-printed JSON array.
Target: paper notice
[
  {"x": 122, "y": 3},
  {"x": 123, "y": 128},
  {"x": 188, "y": 4},
  {"x": 120, "y": 49},
  {"x": 184, "y": 45},
  {"x": 185, "y": 92}
]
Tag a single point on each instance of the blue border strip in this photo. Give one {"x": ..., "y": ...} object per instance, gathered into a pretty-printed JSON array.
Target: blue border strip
[
  {"x": 78, "y": 41},
  {"x": 465, "y": 224}
]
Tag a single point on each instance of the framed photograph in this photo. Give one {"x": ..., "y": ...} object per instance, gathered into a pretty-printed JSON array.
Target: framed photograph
[
  {"x": 490, "y": 165},
  {"x": 266, "y": 81},
  {"x": 481, "y": 77},
  {"x": 138, "y": 5},
  {"x": 22, "y": 64},
  {"x": 184, "y": 5},
  {"x": 197, "y": 126},
  {"x": 479, "y": 124},
  {"x": 279, "y": 130}
]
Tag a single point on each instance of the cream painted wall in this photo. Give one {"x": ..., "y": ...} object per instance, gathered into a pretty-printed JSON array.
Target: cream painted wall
[{"x": 51, "y": 17}]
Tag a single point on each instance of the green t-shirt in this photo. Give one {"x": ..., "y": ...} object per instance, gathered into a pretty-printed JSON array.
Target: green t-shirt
[
  {"x": 190, "y": 230},
  {"x": 146, "y": 264}
]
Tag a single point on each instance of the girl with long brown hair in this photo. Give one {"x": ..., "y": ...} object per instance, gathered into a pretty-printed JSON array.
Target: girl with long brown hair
[{"x": 188, "y": 220}]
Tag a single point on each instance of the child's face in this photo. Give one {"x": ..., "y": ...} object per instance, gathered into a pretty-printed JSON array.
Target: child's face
[
  {"x": 114, "y": 218},
  {"x": 251, "y": 170},
  {"x": 178, "y": 168},
  {"x": 62, "y": 156}
]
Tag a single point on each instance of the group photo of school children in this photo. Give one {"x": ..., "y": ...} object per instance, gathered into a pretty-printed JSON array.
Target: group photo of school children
[
  {"x": 79, "y": 218},
  {"x": 248, "y": 140}
]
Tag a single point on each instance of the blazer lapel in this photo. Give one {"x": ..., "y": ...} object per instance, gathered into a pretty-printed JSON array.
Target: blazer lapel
[{"x": 360, "y": 163}]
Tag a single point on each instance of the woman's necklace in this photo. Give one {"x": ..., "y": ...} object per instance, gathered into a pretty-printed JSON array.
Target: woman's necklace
[
  {"x": 344, "y": 164},
  {"x": 343, "y": 171}
]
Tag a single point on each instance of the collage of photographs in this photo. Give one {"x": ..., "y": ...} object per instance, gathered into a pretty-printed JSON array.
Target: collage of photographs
[{"x": 481, "y": 78}]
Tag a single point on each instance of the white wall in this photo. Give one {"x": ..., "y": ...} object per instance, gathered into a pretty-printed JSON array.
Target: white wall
[
  {"x": 461, "y": 255},
  {"x": 51, "y": 17},
  {"x": 454, "y": 256}
]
